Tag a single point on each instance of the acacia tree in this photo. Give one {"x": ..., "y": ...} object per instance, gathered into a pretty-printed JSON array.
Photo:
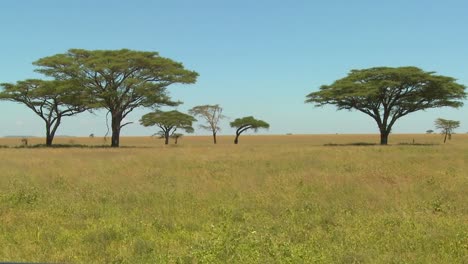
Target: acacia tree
[
  {"x": 212, "y": 115},
  {"x": 50, "y": 100},
  {"x": 168, "y": 122},
  {"x": 387, "y": 94},
  {"x": 245, "y": 123},
  {"x": 447, "y": 127},
  {"x": 176, "y": 137},
  {"x": 119, "y": 80}
]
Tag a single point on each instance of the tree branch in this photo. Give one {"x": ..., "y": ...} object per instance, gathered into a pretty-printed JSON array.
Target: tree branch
[{"x": 128, "y": 123}]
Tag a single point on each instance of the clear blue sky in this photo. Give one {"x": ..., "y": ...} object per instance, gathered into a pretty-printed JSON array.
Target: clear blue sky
[{"x": 256, "y": 58}]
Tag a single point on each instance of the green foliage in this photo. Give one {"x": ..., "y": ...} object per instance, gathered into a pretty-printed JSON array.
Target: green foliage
[
  {"x": 402, "y": 90},
  {"x": 47, "y": 98},
  {"x": 387, "y": 94},
  {"x": 169, "y": 120},
  {"x": 447, "y": 126},
  {"x": 118, "y": 80},
  {"x": 249, "y": 122}
]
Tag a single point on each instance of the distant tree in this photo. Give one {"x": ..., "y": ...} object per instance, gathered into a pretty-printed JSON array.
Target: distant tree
[
  {"x": 168, "y": 122},
  {"x": 176, "y": 137},
  {"x": 447, "y": 127},
  {"x": 212, "y": 115},
  {"x": 387, "y": 94},
  {"x": 430, "y": 131},
  {"x": 50, "y": 100},
  {"x": 245, "y": 123},
  {"x": 119, "y": 80}
]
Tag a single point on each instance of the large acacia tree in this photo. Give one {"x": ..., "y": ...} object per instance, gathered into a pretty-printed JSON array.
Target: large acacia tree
[
  {"x": 387, "y": 94},
  {"x": 119, "y": 80},
  {"x": 212, "y": 115},
  {"x": 50, "y": 100},
  {"x": 168, "y": 122},
  {"x": 245, "y": 123}
]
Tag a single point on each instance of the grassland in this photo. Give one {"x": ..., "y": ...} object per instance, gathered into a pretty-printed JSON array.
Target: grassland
[{"x": 271, "y": 199}]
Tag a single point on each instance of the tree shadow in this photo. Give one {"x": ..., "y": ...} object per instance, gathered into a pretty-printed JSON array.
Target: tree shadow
[
  {"x": 37, "y": 146},
  {"x": 375, "y": 144},
  {"x": 350, "y": 144},
  {"x": 417, "y": 144}
]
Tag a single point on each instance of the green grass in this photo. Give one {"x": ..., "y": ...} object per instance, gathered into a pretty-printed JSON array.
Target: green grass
[{"x": 285, "y": 199}]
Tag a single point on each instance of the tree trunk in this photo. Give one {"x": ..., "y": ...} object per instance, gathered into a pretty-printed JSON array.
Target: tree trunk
[
  {"x": 384, "y": 137},
  {"x": 50, "y": 132},
  {"x": 49, "y": 140},
  {"x": 116, "y": 120},
  {"x": 175, "y": 142},
  {"x": 115, "y": 138},
  {"x": 166, "y": 138},
  {"x": 236, "y": 140},
  {"x": 445, "y": 138},
  {"x": 49, "y": 137},
  {"x": 214, "y": 137}
]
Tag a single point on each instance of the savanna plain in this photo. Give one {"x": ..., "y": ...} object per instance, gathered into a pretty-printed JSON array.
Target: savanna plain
[{"x": 270, "y": 199}]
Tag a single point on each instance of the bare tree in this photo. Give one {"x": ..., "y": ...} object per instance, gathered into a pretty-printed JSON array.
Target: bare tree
[{"x": 212, "y": 115}]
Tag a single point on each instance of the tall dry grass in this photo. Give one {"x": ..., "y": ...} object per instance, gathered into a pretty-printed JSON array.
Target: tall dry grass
[{"x": 270, "y": 199}]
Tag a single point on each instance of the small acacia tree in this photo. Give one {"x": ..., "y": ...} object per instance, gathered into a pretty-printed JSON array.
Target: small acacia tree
[
  {"x": 387, "y": 94},
  {"x": 176, "y": 137},
  {"x": 50, "y": 100},
  {"x": 168, "y": 122},
  {"x": 245, "y": 123},
  {"x": 447, "y": 127},
  {"x": 212, "y": 115},
  {"x": 119, "y": 80}
]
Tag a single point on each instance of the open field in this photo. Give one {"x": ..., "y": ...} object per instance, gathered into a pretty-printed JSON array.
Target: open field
[{"x": 270, "y": 199}]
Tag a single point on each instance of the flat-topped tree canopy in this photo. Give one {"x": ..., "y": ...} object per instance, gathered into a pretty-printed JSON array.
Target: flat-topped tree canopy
[
  {"x": 168, "y": 122},
  {"x": 51, "y": 100},
  {"x": 447, "y": 127},
  {"x": 245, "y": 123},
  {"x": 119, "y": 80},
  {"x": 387, "y": 94}
]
